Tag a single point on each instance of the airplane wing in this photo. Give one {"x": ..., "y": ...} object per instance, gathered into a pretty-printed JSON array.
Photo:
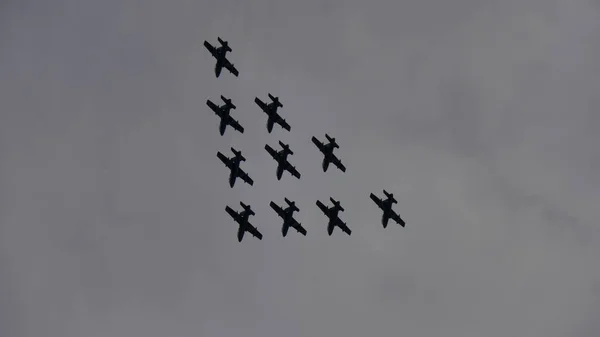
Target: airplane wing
[
  {"x": 231, "y": 68},
  {"x": 213, "y": 107},
  {"x": 232, "y": 213},
  {"x": 210, "y": 48},
  {"x": 338, "y": 163},
  {"x": 272, "y": 152},
  {"x": 276, "y": 208},
  {"x": 236, "y": 125},
  {"x": 343, "y": 226},
  {"x": 245, "y": 177},
  {"x": 252, "y": 230},
  {"x": 376, "y": 200},
  {"x": 397, "y": 218},
  {"x": 317, "y": 143},
  {"x": 261, "y": 104},
  {"x": 224, "y": 159},
  {"x": 292, "y": 170},
  {"x": 323, "y": 208},
  {"x": 297, "y": 226},
  {"x": 283, "y": 124}
]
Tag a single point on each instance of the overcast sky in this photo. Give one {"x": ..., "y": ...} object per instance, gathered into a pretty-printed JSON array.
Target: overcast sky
[{"x": 481, "y": 117}]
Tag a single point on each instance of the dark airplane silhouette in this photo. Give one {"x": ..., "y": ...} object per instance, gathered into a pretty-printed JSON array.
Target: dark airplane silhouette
[
  {"x": 242, "y": 219},
  {"x": 288, "y": 218},
  {"x": 282, "y": 162},
  {"x": 271, "y": 110},
  {"x": 233, "y": 164},
  {"x": 219, "y": 54},
  {"x": 223, "y": 112},
  {"x": 386, "y": 207},
  {"x": 332, "y": 214},
  {"x": 327, "y": 151}
]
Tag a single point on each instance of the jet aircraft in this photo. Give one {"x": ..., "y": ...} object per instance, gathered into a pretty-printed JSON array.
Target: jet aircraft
[
  {"x": 332, "y": 214},
  {"x": 327, "y": 151},
  {"x": 233, "y": 164},
  {"x": 287, "y": 215},
  {"x": 271, "y": 110},
  {"x": 386, "y": 207},
  {"x": 219, "y": 54},
  {"x": 242, "y": 219},
  {"x": 282, "y": 162},
  {"x": 223, "y": 112}
]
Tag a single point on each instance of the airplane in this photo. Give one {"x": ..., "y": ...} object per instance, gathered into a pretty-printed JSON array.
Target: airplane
[
  {"x": 223, "y": 112},
  {"x": 271, "y": 110},
  {"x": 332, "y": 214},
  {"x": 242, "y": 219},
  {"x": 327, "y": 151},
  {"x": 282, "y": 163},
  {"x": 233, "y": 164},
  {"x": 288, "y": 218},
  {"x": 219, "y": 54},
  {"x": 386, "y": 207}
]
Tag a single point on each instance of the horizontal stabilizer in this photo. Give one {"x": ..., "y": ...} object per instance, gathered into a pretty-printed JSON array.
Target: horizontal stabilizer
[
  {"x": 390, "y": 196},
  {"x": 228, "y": 102},
  {"x": 275, "y": 100},
  {"x": 238, "y": 154},
  {"x": 224, "y": 43}
]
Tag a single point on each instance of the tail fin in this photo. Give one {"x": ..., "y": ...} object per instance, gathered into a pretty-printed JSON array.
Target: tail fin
[
  {"x": 225, "y": 44},
  {"x": 275, "y": 100},
  {"x": 238, "y": 154},
  {"x": 332, "y": 141},
  {"x": 247, "y": 209},
  {"x": 228, "y": 101},
  {"x": 336, "y": 204},
  {"x": 285, "y": 147},
  {"x": 390, "y": 196},
  {"x": 292, "y": 204}
]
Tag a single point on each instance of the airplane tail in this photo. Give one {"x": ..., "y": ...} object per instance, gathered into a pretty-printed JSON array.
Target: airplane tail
[
  {"x": 390, "y": 196},
  {"x": 332, "y": 141},
  {"x": 291, "y": 204},
  {"x": 275, "y": 100},
  {"x": 336, "y": 204},
  {"x": 238, "y": 154},
  {"x": 286, "y": 147},
  {"x": 228, "y": 101},
  {"x": 224, "y": 44},
  {"x": 247, "y": 209}
]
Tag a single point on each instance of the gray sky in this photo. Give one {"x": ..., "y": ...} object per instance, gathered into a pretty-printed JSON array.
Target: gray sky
[{"x": 481, "y": 116}]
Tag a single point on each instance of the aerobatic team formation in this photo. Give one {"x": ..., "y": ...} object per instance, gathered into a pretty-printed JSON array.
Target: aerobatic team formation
[{"x": 281, "y": 157}]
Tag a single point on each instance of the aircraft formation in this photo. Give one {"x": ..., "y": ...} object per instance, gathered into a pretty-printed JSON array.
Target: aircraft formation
[{"x": 233, "y": 163}]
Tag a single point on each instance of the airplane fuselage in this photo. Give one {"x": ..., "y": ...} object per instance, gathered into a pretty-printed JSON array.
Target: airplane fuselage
[
  {"x": 271, "y": 111},
  {"x": 235, "y": 166},
  {"x": 288, "y": 214},
  {"x": 328, "y": 156},
  {"x": 387, "y": 211},
  {"x": 281, "y": 160},
  {"x": 243, "y": 225},
  {"x": 220, "y": 56},
  {"x": 224, "y": 115}
]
